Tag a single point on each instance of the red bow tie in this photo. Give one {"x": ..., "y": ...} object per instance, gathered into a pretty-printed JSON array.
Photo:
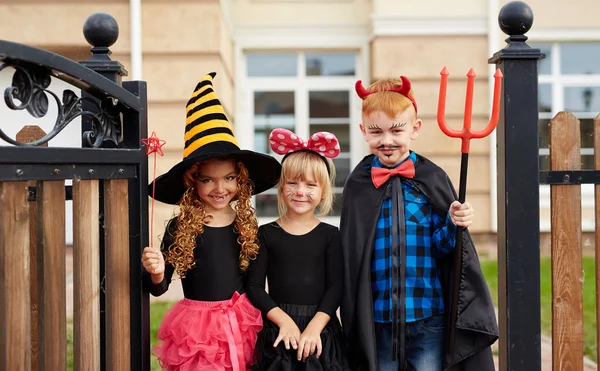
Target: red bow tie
[{"x": 381, "y": 175}]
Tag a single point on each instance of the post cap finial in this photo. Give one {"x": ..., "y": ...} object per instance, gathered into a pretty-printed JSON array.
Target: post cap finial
[
  {"x": 101, "y": 30},
  {"x": 515, "y": 18}
]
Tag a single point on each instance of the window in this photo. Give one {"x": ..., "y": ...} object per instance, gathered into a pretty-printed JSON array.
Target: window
[
  {"x": 305, "y": 93},
  {"x": 272, "y": 65},
  {"x": 569, "y": 80}
]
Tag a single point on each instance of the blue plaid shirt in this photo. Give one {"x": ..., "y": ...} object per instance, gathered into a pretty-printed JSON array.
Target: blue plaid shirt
[{"x": 427, "y": 236}]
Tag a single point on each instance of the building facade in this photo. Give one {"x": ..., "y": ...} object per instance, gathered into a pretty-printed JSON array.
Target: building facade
[{"x": 293, "y": 64}]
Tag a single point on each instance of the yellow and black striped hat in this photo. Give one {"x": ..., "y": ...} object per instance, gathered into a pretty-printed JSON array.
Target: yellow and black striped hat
[{"x": 208, "y": 134}]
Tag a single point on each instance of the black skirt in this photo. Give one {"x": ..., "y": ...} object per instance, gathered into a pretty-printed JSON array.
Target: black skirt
[{"x": 333, "y": 356}]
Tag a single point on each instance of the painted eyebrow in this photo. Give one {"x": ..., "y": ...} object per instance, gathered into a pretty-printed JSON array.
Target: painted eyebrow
[
  {"x": 398, "y": 125},
  {"x": 374, "y": 127}
]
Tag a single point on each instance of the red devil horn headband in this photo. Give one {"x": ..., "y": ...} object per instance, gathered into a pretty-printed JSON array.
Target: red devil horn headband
[{"x": 404, "y": 90}]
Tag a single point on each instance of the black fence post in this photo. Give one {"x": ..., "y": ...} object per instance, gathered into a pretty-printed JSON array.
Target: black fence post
[
  {"x": 518, "y": 194},
  {"x": 137, "y": 128},
  {"x": 101, "y": 31}
]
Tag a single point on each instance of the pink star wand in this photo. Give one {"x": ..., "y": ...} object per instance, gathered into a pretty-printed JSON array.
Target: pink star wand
[{"x": 153, "y": 145}]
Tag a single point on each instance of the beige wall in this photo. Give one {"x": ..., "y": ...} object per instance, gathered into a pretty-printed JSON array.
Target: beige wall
[
  {"x": 431, "y": 8},
  {"x": 290, "y": 13},
  {"x": 421, "y": 58},
  {"x": 57, "y": 24}
]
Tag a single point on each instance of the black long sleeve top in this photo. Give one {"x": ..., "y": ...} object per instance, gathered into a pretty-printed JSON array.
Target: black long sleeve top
[
  {"x": 301, "y": 269},
  {"x": 216, "y": 275}
]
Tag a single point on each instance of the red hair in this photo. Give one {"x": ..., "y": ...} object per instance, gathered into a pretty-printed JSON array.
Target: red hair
[{"x": 391, "y": 96}]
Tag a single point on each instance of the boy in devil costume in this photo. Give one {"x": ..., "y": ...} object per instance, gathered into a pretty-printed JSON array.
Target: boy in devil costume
[{"x": 398, "y": 225}]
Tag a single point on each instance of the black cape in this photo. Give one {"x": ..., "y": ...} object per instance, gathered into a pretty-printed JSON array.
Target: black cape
[{"x": 476, "y": 326}]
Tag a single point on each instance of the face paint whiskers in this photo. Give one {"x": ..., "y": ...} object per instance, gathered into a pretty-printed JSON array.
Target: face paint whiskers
[{"x": 291, "y": 191}]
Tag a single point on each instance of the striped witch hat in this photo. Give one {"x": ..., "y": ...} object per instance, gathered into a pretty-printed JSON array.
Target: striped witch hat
[{"x": 208, "y": 134}]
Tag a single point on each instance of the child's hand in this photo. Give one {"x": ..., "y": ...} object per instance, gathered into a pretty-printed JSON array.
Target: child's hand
[
  {"x": 461, "y": 214},
  {"x": 289, "y": 333},
  {"x": 310, "y": 340},
  {"x": 153, "y": 260}
]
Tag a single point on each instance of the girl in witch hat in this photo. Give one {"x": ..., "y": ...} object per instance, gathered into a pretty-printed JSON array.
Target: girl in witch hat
[
  {"x": 302, "y": 258},
  {"x": 210, "y": 243}
]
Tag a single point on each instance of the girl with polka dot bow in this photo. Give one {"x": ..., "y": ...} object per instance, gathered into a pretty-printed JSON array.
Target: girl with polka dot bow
[{"x": 301, "y": 257}]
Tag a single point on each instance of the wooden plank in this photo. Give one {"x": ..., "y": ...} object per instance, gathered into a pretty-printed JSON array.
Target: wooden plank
[
  {"x": 597, "y": 210},
  {"x": 117, "y": 273},
  {"x": 52, "y": 294},
  {"x": 27, "y": 134},
  {"x": 567, "y": 290},
  {"x": 15, "y": 321},
  {"x": 34, "y": 282},
  {"x": 86, "y": 276}
]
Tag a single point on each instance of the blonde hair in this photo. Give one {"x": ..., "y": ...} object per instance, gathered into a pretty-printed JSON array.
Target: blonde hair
[
  {"x": 389, "y": 102},
  {"x": 192, "y": 217},
  {"x": 297, "y": 166}
]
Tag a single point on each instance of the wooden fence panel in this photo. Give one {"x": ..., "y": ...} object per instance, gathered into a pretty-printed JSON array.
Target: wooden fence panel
[
  {"x": 52, "y": 275},
  {"x": 597, "y": 212},
  {"x": 567, "y": 290},
  {"x": 86, "y": 276},
  {"x": 30, "y": 133},
  {"x": 117, "y": 273},
  {"x": 15, "y": 321}
]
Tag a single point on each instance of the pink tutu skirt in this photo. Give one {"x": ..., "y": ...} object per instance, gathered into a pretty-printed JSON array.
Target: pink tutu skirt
[{"x": 209, "y": 335}]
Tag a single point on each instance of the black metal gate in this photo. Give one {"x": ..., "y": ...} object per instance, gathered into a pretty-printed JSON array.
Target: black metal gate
[{"x": 109, "y": 171}]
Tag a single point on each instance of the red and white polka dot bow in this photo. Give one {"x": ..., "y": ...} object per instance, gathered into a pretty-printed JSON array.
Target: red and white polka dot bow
[{"x": 284, "y": 141}]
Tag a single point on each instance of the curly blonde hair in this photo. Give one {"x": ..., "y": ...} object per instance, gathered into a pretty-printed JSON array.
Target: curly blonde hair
[{"x": 192, "y": 218}]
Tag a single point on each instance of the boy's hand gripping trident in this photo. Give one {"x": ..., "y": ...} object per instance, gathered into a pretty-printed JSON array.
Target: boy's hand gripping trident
[{"x": 466, "y": 134}]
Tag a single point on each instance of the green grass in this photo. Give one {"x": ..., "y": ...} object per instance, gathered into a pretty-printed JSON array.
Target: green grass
[
  {"x": 70, "y": 343},
  {"x": 490, "y": 271},
  {"x": 157, "y": 312}
]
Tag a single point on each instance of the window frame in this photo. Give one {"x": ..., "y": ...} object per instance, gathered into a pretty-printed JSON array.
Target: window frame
[
  {"x": 355, "y": 41},
  {"x": 302, "y": 85}
]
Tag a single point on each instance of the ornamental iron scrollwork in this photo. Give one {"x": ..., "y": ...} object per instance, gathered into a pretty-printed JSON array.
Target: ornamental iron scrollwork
[
  {"x": 30, "y": 88},
  {"x": 106, "y": 126}
]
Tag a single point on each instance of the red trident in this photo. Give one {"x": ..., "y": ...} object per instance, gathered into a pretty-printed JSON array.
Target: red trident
[{"x": 466, "y": 134}]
